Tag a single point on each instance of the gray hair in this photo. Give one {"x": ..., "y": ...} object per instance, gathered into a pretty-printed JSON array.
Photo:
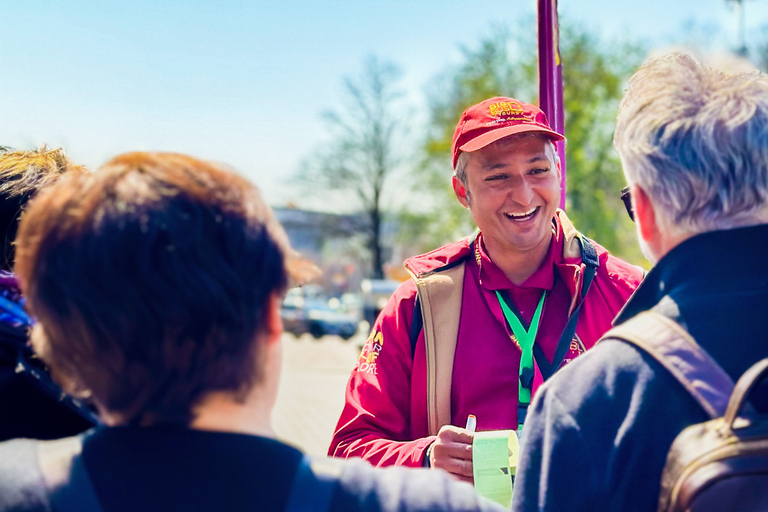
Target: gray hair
[
  {"x": 696, "y": 140},
  {"x": 463, "y": 160}
]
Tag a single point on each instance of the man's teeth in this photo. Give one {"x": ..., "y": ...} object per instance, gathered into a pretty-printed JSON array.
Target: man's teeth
[{"x": 521, "y": 215}]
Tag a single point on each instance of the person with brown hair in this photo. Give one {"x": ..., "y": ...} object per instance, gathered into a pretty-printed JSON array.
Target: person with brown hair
[
  {"x": 31, "y": 405},
  {"x": 156, "y": 283}
]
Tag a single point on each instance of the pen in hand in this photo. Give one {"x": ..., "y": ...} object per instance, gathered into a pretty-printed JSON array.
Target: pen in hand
[{"x": 471, "y": 423}]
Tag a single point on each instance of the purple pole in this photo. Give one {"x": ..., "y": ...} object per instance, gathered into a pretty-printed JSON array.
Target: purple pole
[{"x": 551, "y": 78}]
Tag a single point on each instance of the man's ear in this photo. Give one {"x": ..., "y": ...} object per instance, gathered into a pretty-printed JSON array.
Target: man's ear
[
  {"x": 461, "y": 191},
  {"x": 273, "y": 323},
  {"x": 645, "y": 215}
]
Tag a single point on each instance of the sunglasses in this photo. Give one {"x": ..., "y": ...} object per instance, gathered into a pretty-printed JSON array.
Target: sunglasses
[{"x": 627, "y": 198}]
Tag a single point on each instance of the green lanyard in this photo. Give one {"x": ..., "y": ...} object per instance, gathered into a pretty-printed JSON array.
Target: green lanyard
[{"x": 526, "y": 338}]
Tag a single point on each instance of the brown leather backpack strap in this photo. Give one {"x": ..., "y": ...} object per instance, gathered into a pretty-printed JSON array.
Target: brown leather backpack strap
[
  {"x": 672, "y": 346},
  {"x": 440, "y": 300}
]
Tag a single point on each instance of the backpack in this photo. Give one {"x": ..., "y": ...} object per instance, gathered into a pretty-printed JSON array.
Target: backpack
[{"x": 721, "y": 464}]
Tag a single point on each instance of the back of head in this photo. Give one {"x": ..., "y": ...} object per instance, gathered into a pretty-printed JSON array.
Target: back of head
[
  {"x": 22, "y": 174},
  {"x": 696, "y": 140},
  {"x": 150, "y": 279}
]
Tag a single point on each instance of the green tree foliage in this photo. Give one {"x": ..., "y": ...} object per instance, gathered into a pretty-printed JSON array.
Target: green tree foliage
[
  {"x": 504, "y": 64},
  {"x": 594, "y": 76},
  {"x": 486, "y": 71}
]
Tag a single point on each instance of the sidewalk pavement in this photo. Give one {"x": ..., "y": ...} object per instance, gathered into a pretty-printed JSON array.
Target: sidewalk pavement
[{"x": 312, "y": 385}]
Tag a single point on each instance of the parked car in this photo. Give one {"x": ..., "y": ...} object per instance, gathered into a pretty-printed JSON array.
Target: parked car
[
  {"x": 314, "y": 315},
  {"x": 376, "y": 293}
]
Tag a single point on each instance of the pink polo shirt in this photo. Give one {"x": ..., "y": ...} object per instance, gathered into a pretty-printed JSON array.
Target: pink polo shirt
[
  {"x": 384, "y": 419},
  {"x": 486, "y": 365}
]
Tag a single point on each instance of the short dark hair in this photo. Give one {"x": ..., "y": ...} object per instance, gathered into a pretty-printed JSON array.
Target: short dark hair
[
  {"x": 22, "y": 174},
  {"x": 150, "y": 280}
]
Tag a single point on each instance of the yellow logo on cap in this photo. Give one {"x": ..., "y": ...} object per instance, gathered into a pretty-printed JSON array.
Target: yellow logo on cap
[{"x": 509, "y": 110}]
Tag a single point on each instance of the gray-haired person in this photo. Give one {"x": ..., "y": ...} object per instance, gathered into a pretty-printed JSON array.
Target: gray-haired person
[{"x": 694, "y": 147}]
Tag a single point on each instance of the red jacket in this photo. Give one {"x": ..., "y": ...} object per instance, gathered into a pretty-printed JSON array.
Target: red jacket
[{"x": 384, "y": 419}]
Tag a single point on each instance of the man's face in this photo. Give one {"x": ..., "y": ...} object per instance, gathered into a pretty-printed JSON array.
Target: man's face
[{"x": 512, "y": 190}]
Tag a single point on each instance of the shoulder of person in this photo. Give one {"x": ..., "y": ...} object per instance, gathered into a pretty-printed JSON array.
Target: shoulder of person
[
  {"x": 439, "y": 258},
  {"x": 620, "y": 270},
  {"x": 609, "y": 265},
  {"x": 609, "y": 371},
  {"x": 617, "y": 271},
  {"x": 392, "y": 489},
  {"x": 404, "y": 295},
  {"x": 21, "y": 483}
]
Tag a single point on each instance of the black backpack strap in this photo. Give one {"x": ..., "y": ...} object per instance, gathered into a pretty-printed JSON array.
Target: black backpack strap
[
  {"x": 676, "y": 350},
  {"x": 43, "y": 381},
  {"x": 65, "y": 476},
  {"x": 589, "y": 258},
  {"x": 314, "y": 484},
  {"x": 417, "y": 324}
]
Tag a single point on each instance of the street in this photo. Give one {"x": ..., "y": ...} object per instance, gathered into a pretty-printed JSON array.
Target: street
[{"x": 311, "y": 395}]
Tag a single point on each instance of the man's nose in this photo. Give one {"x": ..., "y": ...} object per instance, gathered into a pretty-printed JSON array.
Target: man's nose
[{"x": 521, "y": 192}]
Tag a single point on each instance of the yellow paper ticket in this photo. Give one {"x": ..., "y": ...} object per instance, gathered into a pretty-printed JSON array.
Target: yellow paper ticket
[{"x": 494, "y": 463}]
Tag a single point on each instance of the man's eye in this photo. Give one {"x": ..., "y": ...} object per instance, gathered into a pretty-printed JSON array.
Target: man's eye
[
  {"x": 540, "y": 171},
  {"x": 496, "y": 177}
]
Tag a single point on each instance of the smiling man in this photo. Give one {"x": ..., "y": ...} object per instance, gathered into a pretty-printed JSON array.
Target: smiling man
[{"x": 486, "y": 320}]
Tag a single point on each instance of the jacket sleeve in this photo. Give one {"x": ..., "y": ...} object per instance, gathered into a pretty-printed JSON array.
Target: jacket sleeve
[
  {"x": 375, "y": 423},
  {"x": 553, "y": 470},
  {"x": 617, "y": 280},
  {"x": 598, "y": 433},
  {"x": 366, "y": 489}
]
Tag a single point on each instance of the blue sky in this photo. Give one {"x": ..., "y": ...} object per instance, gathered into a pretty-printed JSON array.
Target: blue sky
[{"x": 246, "y": 82}]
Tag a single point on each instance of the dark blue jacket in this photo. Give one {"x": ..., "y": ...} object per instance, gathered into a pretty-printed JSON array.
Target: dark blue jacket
[
  {"x": 598, "y": 432},
  {"x": 31, "y": 404},
  {"x": 168, "y": 468}
]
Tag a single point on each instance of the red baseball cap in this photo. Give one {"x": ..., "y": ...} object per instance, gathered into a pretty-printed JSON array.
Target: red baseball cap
[{"x": 494, "y": 119}]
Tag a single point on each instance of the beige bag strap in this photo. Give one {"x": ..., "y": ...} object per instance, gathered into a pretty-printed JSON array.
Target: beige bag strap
[
  {"x": 675, "y": 349},
  {"x": 440, "y": 299}
]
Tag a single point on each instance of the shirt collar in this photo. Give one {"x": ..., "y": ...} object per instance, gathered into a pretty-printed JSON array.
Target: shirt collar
[
  {"x": 712, "y": 260},
  {"x": 492, "y": 277}
]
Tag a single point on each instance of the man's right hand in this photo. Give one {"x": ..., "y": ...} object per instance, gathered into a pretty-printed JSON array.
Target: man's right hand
[{"x": 452, "y": 452}]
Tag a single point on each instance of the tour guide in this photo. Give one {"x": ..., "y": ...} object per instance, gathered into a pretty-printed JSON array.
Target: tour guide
[{"x": 494, "y": 315}]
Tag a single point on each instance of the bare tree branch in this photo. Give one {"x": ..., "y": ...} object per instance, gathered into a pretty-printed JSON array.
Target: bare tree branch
[{"x": 365, "y": 152}]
